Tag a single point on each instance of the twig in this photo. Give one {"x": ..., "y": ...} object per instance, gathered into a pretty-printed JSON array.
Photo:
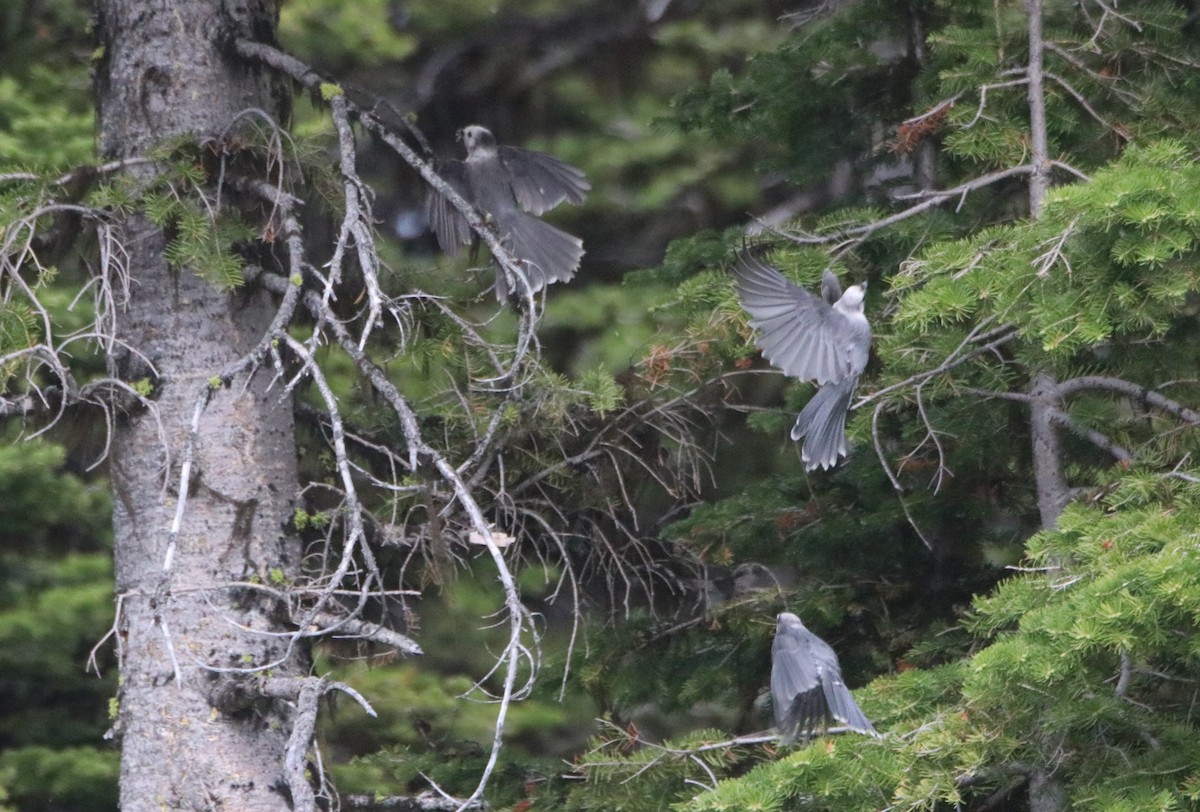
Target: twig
[
  {"x": 932, "y": 200},
  {"x": 993, "y": 338}
]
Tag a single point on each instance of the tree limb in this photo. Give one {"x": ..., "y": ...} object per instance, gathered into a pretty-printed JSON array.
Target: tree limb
[{"x": 1136, "y": 391}]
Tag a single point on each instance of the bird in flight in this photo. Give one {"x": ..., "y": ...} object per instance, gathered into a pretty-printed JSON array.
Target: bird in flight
[
  {"x": 806, "y": 685},
  {"x": 824, "y": 339},
  {"x": 512, "y": 186}
]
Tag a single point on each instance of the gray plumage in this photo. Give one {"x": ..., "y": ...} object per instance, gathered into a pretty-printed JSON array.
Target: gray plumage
[
  {"x": 513, "y": 186},
  {"x": 826, "y": 340},
  {"x": 806, "y": 685}
]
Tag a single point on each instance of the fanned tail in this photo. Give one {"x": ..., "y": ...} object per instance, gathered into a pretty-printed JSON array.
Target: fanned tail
[
  {"x": 547, "y": 254},
  {"x": 822, "y": 423}
]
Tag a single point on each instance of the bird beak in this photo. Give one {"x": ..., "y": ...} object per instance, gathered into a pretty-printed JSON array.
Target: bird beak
[{"x": 458, "y": 135}]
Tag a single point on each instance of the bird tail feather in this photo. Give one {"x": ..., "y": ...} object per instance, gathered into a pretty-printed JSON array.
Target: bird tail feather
[
  {"x": 547, "y": 254},
  {"x": 822, "y": 423}
]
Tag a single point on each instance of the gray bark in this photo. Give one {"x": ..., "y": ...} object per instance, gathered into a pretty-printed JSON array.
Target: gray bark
[
  {"x": 1039, "y": 142},
  {"x": 1046, "y": 793},
  {"x": 1052, "y": 490},
  {"x": 1053, "y": 493},
  {"x": 164, "y": 72}
]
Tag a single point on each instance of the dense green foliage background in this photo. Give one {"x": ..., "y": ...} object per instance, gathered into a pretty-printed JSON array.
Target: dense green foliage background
[{"x": 1076, "y": 671}]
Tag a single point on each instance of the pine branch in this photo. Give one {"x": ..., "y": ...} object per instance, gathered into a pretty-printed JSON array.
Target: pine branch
[
  {"x": 1063, "y": 420},
  {"x": 994, "y": 339},
  {"x": 1136, "y": 391},
  {"x": 933, "y": 199}
]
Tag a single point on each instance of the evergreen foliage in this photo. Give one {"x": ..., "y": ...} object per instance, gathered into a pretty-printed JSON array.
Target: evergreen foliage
[
  {"x": 1075, "y": 668},
  {"x": 1084, "y": 669},
  {"x": 55, "y": 605},
  {"x": 1077, "y": 663}
]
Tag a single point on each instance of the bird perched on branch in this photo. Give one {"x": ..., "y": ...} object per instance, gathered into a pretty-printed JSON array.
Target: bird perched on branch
[
  {"x": 512, "y": 186},
  {"x": 806, "y": 685},
  {"x": 824, "y": 339}
]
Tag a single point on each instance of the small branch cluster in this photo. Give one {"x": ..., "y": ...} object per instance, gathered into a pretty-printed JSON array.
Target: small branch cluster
[{"x": 442, "y": 500}]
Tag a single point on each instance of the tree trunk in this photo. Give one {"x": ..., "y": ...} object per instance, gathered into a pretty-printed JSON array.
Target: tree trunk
[
  {"x": 1052, "y": 490},
  {"x": 1046, "y": 793},
  {"x": 164, "y": 72},
  {"x": 1053, "y": 493}
]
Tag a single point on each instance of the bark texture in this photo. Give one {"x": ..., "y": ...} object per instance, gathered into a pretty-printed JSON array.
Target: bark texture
[
  {"x": 165, "y": 72},
  {"x": 1052, "y": 491}
]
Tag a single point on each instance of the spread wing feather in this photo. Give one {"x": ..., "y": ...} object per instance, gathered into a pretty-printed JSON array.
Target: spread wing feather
[
  {"x": 539, "y": 181},
  {"x": 447, "y": 222},
  {"x": 843, "y": 708},
  {"x": 799, "y": 332}
]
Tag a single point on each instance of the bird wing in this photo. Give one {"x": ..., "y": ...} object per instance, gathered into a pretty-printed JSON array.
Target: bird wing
[
  {"x": 447, "y": 222},
  {"x": 796, "y": 684},
  {"x": 801, "y": 334},
  {"x": 806, "y": 685},
  {"x": 540, "y": 182},
  {"x": 838, "y": 698},
  {"x": 842, "y": 706}
]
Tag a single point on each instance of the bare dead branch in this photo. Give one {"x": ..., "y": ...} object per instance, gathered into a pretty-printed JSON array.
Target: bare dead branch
[
  {"x": 983, "y": 93},
  {"x": 305, "y": 693},
  {"x": 887, "y": 469},
  {"x": 332, "y": 625},
  {"x": 306, "y": 76},
  {"x": 1055, "y": 254},
  {"x": 422, "y": 802}
]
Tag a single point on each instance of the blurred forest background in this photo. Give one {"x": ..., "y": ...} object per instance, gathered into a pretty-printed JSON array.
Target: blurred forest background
[{"x": 1017, "y": 660}]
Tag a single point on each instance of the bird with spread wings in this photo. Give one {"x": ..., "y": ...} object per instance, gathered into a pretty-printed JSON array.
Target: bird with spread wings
[
  {"x": 512, "y": 186},
  {"x": 824, "y": 339}
]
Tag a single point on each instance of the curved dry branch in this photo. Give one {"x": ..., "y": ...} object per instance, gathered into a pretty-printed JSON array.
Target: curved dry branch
[
  {"x": 343, "y": 110},
  {"x": 421, "y": 453},
  {"x": 305, "y": 693}
]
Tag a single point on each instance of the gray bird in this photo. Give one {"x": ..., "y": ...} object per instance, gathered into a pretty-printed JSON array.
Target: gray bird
[
  {"x": 825, "y": 339},
  {"x": 806, "y": 685},
  {"x": 513, "y": 186}
]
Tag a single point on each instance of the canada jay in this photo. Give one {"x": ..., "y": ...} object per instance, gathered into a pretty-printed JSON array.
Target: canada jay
[
  {"x": 825, "y": 339},
  {"x": 806, "y": 685},
  {"x": 512, "y": 186}
]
